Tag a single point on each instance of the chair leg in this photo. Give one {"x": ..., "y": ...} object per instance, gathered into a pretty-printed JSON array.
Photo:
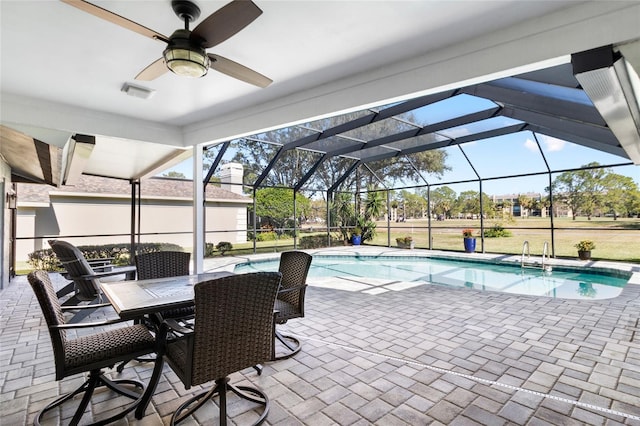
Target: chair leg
[
  {"x": 221, "y": 388},
  {"x": 96, "y": 380},
  {"x": 120, "y": 367},
  {"x": 64, "y": 398},
  {"x": 292, "y": 344}
]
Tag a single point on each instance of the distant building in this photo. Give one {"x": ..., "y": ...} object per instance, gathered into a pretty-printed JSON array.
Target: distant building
[
  {"x": 100, "y": 210},
  {"x": 511, "y": 204}
]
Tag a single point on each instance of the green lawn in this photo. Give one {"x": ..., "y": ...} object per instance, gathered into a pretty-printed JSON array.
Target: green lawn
[{"x": 615, "y": 240}]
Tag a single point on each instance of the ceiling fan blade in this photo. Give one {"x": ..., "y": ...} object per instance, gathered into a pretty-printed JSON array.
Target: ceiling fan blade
[
  {"x": 153, "y": 71},
  {"x": 235, "y": 70},
  {"x": 226, "y": 21},
  {"x": 101, "y": 13}
]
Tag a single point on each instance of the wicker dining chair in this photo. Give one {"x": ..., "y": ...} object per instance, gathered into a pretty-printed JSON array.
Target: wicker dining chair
[
  {"x": 233, "y": 330},
  {"x": 85, "y": 281},
  {"x": 164, "y": 264},
  {"x": 294, "y": 267},
  {"x": 90, "y": 353}
]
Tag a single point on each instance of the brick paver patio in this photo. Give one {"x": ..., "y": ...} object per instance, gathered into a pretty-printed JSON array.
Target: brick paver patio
[{"x": 409, "y": 356}]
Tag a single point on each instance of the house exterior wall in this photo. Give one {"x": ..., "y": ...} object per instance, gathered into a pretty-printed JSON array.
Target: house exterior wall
[
  {"x": 5, "y": 183},
  {"x": 26, "y": 228},
  {"x": 106, "y": 219}
]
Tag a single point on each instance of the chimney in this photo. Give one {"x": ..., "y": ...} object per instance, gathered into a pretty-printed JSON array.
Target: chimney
[{"x": 231, "y": 177}]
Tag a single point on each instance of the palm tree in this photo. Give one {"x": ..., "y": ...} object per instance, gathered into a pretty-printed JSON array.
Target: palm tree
[{"x": 375, "y": 205}]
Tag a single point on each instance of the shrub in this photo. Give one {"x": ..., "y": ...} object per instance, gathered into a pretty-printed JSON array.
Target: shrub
[
  {"x": 224, "y": 246},
  {"x": 209, "y": 250},
  {"x": 267, "y": 236},
  {"x": 44, "y": 259},
  {"x": 497, "y": 231},
  {"x": 313, "y": 241}
]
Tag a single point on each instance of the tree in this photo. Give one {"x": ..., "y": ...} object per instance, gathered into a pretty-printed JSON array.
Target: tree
[
  {"x": 396, "y": 168},
  {"x": 442, "y": 201},
  {"x": 374, "y": 207},
  {"x": 174, "y": 174},
  {"x": 525, "y": 203},
  {"x": 274, "y": 206},
  {"x": 468, "y": 202},
  {"x": 414, "y": 204},
  {"x": 375, "y": 204},
  {"x": 622, "y": 196},
  {"x": 581, "y": 190},
  {"x": 342, "y": 213},
  {"x": 255, "y": 156},
  {"x": 293, "y": 164}
]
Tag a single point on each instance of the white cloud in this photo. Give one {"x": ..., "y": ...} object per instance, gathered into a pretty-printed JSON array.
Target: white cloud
[
  {"x": 531, "y": 145},
  {"x": 552, "y": 144}
]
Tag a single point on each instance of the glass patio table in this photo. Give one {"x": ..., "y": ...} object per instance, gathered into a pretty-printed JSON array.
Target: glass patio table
[{"x": 133, "y": 299}]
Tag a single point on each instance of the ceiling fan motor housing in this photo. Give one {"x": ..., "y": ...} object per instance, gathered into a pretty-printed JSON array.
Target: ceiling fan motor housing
[{"x": 186, "y": 10}]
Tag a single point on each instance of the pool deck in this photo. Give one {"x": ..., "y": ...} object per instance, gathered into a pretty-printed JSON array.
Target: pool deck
[{"x": 409, "y": 355}]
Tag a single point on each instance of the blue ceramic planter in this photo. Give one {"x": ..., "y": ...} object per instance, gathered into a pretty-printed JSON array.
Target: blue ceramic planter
[{"x": 469, "y": 245}]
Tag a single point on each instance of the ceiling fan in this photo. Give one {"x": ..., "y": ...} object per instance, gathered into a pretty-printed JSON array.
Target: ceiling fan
[{"x": 185, "y": 53}]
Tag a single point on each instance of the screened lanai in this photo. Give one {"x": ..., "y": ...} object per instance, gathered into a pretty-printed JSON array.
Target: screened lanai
[{"x": 498, "y": 139}]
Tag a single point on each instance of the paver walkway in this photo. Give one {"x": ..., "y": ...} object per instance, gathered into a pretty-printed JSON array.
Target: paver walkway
[{"x": 414, "y": 356}]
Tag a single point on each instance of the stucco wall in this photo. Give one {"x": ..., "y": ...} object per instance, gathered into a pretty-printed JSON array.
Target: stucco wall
[
  {"x": 5, "y": 183},
  {"x": 107, "y": 219}
]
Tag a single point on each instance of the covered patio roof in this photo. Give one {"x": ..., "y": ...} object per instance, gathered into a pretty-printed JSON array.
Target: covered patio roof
[{"x": 404, "y": 55}]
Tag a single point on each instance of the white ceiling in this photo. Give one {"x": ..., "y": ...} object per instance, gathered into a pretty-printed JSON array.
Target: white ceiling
[{"x": 62, "y": 69}]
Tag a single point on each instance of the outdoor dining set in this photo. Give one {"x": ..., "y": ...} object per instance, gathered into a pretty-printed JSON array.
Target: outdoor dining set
[{"x": 204, "y": 326}]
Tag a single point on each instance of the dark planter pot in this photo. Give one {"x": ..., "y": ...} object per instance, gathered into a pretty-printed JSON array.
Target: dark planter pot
[
  {"x": 356, "y": 240},
  {"x": 469, "y": 245},
  {"x": 584, "y": 254}
]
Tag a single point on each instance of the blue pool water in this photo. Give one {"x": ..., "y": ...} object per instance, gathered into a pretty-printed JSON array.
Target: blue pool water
[{"x": 562, "y": 282}]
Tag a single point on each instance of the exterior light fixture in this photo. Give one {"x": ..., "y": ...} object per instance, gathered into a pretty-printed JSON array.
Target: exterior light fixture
[
  {"x": 184, "y": 57},
  {"x": 12, "y": 199}
]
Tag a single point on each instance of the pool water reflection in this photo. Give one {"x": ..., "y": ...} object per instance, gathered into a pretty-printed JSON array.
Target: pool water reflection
[{"x": 560, "y": 282}]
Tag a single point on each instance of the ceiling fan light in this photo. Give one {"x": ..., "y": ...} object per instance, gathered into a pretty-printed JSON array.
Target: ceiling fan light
[{"x": 184, "y": 58}]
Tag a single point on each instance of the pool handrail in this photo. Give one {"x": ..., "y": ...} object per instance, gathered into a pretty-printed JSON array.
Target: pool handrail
[{"x": 525, "y": 245}]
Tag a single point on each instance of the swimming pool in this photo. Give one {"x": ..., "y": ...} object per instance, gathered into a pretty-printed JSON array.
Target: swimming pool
[{"x": 562, "y": 282}]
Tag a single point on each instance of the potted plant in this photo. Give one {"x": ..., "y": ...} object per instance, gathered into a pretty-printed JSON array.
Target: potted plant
[
  {"x": 584, "y": 249},
  {"x": 356, "y": 236},
  {"x": 469, "y": 240},
  {"x": 405, "y": 242}
]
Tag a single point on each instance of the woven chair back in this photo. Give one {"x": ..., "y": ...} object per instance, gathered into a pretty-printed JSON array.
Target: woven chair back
[
  {"x": 294, "y": 267},
  {"x": 162, "y": 264},
  {"x": 53, "y": 315},
  {"x": 234, "y": 324},
  {"x": 76, "y": 266}
]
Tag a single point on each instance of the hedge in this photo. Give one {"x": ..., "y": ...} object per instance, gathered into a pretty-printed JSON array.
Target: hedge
[{"x": 47, "y": 260}]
